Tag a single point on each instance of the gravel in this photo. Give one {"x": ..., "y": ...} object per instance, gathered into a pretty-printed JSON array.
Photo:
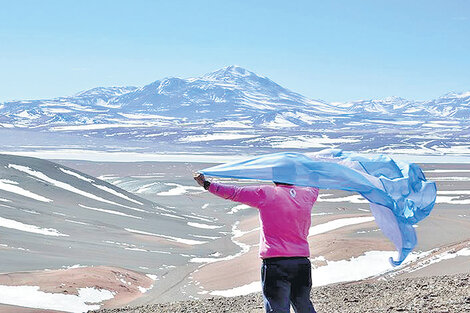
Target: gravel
[{"x": 425, "y": 295}]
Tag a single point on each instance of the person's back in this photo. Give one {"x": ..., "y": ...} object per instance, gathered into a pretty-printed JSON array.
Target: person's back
[
  {"x": 285, "y": 212},
  {"x": 286, "y": 220},
  {"x": 285, "y": 215}
]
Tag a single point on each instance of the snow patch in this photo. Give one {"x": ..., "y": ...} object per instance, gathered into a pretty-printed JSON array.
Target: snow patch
[
  {"x": 31, "y": 297},
  {"x": 204, "y": 226},
  {"x": 335, "y": 224},
  {"x": 356, "y": 268},
  {"x": 178, "y": 190},
  {"x": 216, "y": 136},
  {"x": 236, "y": 234},
  {"x": 5, "y": 185},
  {"x": 350, "y": 199},
  {"x": 61, "y": 185},
  {"x": 12, "y": 224},
  {"x": 302, "y": 142},
  {"x": 109, "y": 211},
  {"x": 171, "y": 238},
  {"x": 116, "y": 193},
  {"x": 239, "y": 291},
  {"x": 451, "y": 200},
  {"x": 232, "y": 124},
  {"x": 76, "y": 175}
]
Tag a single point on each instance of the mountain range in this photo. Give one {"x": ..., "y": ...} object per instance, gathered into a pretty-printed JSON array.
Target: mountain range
[{"x": 236, "y": 108}]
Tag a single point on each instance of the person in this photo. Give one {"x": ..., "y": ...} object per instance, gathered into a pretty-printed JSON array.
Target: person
[{"x": 285, "y": 216}]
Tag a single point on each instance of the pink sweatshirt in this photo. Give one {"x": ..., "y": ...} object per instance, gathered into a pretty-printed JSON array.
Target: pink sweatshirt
[{"x": 284, "y": 213}]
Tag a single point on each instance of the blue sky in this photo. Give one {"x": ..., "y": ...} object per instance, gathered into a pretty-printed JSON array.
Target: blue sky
[{"x": 330, "y": 50}]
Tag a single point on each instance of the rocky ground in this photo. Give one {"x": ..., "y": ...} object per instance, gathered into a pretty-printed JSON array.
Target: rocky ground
[{"x": 427, "y": 295}]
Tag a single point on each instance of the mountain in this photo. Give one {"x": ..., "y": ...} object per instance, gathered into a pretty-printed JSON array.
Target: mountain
[
  {"x": 52, "y": 216},
  {"x": 387, "y": 106},
  {"x": 229, "y": 92},
  {"x": 454, "y": 105},
  {"x": 237, "y": 109}
]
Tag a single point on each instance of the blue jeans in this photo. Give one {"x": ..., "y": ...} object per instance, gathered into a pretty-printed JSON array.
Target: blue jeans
[{"x": 287, "y": 281}]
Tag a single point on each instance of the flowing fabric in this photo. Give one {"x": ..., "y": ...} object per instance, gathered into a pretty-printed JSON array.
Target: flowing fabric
[{"x": 398, "y": 192}]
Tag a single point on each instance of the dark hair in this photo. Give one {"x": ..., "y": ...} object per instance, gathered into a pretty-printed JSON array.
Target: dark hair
[{"x": 278, "y": 183}]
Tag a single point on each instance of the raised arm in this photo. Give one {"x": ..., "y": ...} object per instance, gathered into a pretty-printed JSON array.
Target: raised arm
[{"x": 250, "y": 195}]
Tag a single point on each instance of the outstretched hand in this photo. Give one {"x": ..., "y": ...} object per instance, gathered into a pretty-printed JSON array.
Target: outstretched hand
[{"x": 200, "y": 179}]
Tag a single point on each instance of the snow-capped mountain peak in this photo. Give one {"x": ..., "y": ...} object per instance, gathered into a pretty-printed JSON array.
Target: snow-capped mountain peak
[
  {"x": 221, "y": 93},
  {"x": 188, "y": 110},
  {"x": 105, "y": 91},
  {"x": 229, "y": 73}
]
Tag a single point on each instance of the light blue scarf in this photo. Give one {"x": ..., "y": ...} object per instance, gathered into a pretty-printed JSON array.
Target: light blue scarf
[{"x": 399, "y": 194}]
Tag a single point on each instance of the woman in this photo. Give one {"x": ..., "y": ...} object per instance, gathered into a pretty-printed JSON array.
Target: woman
[{"x": 285, "y": 215}]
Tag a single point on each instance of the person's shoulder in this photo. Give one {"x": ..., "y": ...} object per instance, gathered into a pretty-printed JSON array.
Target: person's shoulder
[
  {"x": 315, "y": 190},
  {"x": 306, "y": 188},
  {"x": 310, "y": 190},
  {"x": 257, "y": 186},
  {"x": 266, "y": 189},
  {"x": 260, "y": 189},
  {"x": 267, "y": 186}
]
